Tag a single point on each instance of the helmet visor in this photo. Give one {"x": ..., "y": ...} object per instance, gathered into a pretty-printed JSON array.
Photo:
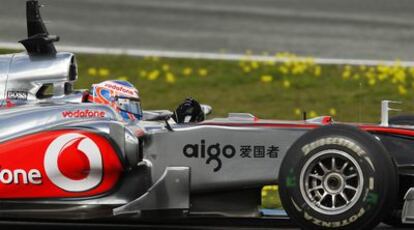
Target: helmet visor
[{"x": 129, "y": 105}]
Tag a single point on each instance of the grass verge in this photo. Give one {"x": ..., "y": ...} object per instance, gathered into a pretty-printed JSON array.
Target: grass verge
[{"x": 265, "y": 89}]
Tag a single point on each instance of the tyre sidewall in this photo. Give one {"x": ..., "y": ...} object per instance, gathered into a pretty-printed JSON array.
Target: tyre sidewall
[{"x": 376, "y": 166}]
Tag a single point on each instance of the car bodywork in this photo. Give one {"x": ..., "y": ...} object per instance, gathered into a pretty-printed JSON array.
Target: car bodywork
[
  {"x": 212, "y": 168},
  {"x": 207, "y": 161}
]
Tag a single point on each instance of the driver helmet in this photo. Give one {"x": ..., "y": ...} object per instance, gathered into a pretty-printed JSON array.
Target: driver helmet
[{"x": 122, "y": 96}]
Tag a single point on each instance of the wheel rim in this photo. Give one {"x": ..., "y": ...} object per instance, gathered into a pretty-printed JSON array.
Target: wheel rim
[{"x": 331, "y": 181}]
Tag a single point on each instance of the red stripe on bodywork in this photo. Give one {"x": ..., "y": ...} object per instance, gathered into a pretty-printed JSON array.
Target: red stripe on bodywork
[
  {"x": 389, "y": 130},
  {"x": 368, "y": 128},
  {"x": 270, "y": 125}
]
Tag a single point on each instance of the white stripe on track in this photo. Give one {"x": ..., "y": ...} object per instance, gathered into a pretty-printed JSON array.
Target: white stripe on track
[{"x": 209, "y": 56}]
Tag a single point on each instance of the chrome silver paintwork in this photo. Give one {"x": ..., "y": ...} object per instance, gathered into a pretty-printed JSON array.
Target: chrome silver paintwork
[
  {"x": 163, "y": 148},
  {"x": 27, "y": 119},
  {"x": 5, "y": 61},
  {"x": 21, "y": 72},
  {"x": 408, "y": 208},
  {"x": 174, "y": 185}
]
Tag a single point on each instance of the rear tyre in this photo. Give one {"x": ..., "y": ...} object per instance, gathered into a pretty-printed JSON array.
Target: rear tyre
[{"x": 337, "y": 177}]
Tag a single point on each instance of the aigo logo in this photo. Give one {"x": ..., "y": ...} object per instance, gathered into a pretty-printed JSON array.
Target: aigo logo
[{"x": 65, "y": 180}]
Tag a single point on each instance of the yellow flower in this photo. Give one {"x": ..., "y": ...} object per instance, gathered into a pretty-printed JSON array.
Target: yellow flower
[
  {"x": 397, "y": 63},
  {"x": 284, "y": 69},
  {"x": 246, "y": 69},
  {"x": 332, "y": 111},
  {"x": 289, "y": 63},
  {"x": 310, "y": 61},
  {"x": 382, "y": 76},
  {"x": 400, "y": 76},
  {"x": 297, "y": 112},
  {"x": 254, "y": 64},
  {"x": 298, "y": 69},
  {"x": 356, "y": 76},
  {"x": 170, "y": 78},
  {"x": 411, "y": 70},
  {"x": 203, "y": 72},
  {"x": 165, "y": 67},
  {"x": 187, "y": 71},
  {"x": 280, "y": 55},
  {"x": 362, "y": 68},
  {"x": 371, "y": 82},
  {"x": 153, "y": 75},
  {"x": 312, "y": 114},
  {"x": 143, "y": 73},
  {"x": 383, "y": 69},
  {"x": 92, "y": 71},
  {"x": 123, "y": 78},
  {"x": 318, "y": 71},
  {"x": 155, "y": 58},
  {"x": 103, "y": 72},
  {"x": 346, "y": 74},
  {"x": 402, "y": 90},
  {"x": 286, "y": 83},
  {"x": 266, "y": 78}
]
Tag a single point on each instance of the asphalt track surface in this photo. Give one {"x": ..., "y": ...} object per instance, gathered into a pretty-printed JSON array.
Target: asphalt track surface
[
  {"x": 360, "y": 29},
  {"x": 195, "y": 224}
]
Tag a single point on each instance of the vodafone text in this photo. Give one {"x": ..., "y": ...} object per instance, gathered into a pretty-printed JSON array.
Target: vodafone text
[
  {"x": 20, "y": 176},
  {"x": 83, "y": 113},
  {"x": 120, "y": 89}
]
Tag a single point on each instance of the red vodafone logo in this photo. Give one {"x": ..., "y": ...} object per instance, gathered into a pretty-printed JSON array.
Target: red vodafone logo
[
  {"x": 73, "y": 162},
  {"x": 86, "y": 113},
  {"x": 65, "y": 163},
  {"x": 121, "y": 89}
]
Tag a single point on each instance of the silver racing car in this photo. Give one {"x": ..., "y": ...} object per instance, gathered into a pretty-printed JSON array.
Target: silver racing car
[{"x": 95, "y": 154}]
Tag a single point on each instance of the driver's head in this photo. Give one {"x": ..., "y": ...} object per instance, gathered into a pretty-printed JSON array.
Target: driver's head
[{"x": 120, "y": 95}]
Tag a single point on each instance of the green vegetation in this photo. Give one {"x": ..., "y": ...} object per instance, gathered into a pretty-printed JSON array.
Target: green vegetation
[{"x": 270, "y": 197}]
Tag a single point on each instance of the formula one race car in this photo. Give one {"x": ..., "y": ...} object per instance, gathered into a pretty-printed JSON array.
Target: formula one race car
[{"x": 65, "y": 157}]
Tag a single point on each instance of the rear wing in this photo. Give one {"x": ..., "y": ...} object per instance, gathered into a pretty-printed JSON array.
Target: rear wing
[{"x": 38, "y": 41}]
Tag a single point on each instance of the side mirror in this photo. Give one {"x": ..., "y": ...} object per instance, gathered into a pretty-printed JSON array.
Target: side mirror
[{"x": 206, "y": 109}]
